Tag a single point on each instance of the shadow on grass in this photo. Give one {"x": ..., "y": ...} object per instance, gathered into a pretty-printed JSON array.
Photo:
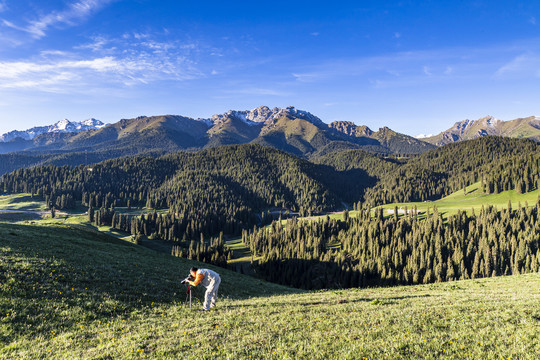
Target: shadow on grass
[
  {"x": 76, "y": 266},
  {"x": 59, "y": 275}
]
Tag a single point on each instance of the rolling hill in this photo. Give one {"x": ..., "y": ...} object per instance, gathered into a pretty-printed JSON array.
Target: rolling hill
[{"x": 67, "y": 293}]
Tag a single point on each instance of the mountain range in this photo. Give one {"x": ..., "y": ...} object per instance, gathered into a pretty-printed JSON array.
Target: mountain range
[
  {"x": 63, "y": 126},
  {"x": 288, "y": 129},
  {"x": 528, "y": 127},
  {"x": 295, "y": 131}
]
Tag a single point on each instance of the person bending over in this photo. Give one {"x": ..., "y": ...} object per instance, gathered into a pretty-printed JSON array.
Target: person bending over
[{"x": 210, "y": 280}]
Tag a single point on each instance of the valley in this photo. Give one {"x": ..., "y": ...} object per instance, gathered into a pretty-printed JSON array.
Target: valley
[
  {"x": 466, "y": 230},
  {"x": 161, "y": 198}
]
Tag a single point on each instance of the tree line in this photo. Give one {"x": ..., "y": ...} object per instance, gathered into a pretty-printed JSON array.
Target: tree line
[
  {"x": 371, "y": 250},
  {"x": 500, "y": 163},
  {"x": 221, "y": 189}
]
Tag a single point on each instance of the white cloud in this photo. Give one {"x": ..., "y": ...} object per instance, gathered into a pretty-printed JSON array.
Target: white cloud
[
  {"x": 524, "y": 65},
  {"x": 46, "y": 53},
  {"x": 307, "y": 77},
  {"x": 104, "y": 62},
  {"x": 97, "y": 44},
  {"x": 3, "y": 5},
  {"x": 77, "y": 75},
  {"x": 141, "y": 36},
  {"x": 74, "y": 13}
]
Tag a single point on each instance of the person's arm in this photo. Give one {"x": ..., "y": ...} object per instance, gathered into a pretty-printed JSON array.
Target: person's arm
[{"x": 197, "y": 280}]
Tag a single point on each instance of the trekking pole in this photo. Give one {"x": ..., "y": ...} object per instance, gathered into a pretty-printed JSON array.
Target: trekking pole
[
  {"x": 188, "y": 295},
  {"x": 189, "y": 289}
]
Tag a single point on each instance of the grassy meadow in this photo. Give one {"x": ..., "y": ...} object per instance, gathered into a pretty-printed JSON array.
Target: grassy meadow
[
  {"x": 470, "y": 199},
  {"x": 21, "y": 202},
  {"x": 71, "y": 293}
]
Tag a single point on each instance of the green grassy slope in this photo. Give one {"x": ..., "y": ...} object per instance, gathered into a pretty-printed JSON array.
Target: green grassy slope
[
  {"x": 71, "y": 294},
  {"x": 473, "y": 198},
  {"x": 21, "y": 202}
]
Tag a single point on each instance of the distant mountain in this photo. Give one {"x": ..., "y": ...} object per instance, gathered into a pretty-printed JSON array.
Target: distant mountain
[
  {"x": 471, "y": 129},
  {"x": 304, "y": 134},
  {"x": 295, "y": 131},
  {"x": 63, "y": 126},
  {"x": 386, "y": 138}
]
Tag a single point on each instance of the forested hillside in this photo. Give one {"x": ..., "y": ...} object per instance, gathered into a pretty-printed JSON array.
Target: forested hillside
[
  {"x": 237, "y": 189},
  {"x": 219, "y": 189},
  {"x": 373, "y": 251},
  {"x": 233, "y": 187},
  {"x": 501, "y": 163},
  {"x": 25, "y": 159}
]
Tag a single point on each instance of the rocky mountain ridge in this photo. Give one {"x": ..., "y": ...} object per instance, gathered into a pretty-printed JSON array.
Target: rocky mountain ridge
[
  {"x": 265, "y": 115},
  {"x": 289, "y": 129},
  {"x": 528, "y": 127},
  {"x": 62, "y": 126}
]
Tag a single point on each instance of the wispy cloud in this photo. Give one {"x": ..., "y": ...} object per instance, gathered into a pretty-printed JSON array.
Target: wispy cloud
[
  {"x": 76, "y": 12},
  {"x": 107, "y": 62},
  {"x": 519, "y": 59},
  {"x": 3, "y": 5},
  {"x": 98, "y": 44},
  {"x": 77, "y": 75},
  {"x": 522, "y": 66}
]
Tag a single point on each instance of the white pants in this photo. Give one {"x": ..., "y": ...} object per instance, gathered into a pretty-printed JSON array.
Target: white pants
[{"x": 210, "y": 296}]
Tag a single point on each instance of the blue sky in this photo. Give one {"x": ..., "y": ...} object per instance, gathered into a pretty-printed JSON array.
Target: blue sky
[{"x": 415, "y": 66}]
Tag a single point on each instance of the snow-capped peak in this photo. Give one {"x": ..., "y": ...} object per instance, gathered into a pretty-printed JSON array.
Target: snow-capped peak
[
  {"x": 92, "y": 123},
  {"x": 263, "y": 115},
  {"x": 62, "y": 126}
]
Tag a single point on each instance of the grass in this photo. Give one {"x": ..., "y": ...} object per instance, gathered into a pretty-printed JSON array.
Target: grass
[
  {"x": 69, "y": 293},
  {"x": 21, "y": 202},
  {"x": 471, "y": 199}
]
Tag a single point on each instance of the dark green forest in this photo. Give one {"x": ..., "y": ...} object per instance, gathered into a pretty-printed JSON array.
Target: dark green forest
[
  {"x": 238, "y": 189},
  {"x": 500, "y": 163},
  {"x": 220, "y": 189},
  {"x": 373, "y": 251}
]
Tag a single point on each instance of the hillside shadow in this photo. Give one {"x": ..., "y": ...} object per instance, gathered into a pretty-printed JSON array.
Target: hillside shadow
[
  {"x": 100, "y": 266},
  {"x": 348, "y": 185},
  {"x": 65, "y": 271},
  {"x": 320, "y": 275}
]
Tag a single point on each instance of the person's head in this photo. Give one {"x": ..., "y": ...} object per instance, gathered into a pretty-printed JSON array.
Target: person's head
[{"x": 193, "y": 271}]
